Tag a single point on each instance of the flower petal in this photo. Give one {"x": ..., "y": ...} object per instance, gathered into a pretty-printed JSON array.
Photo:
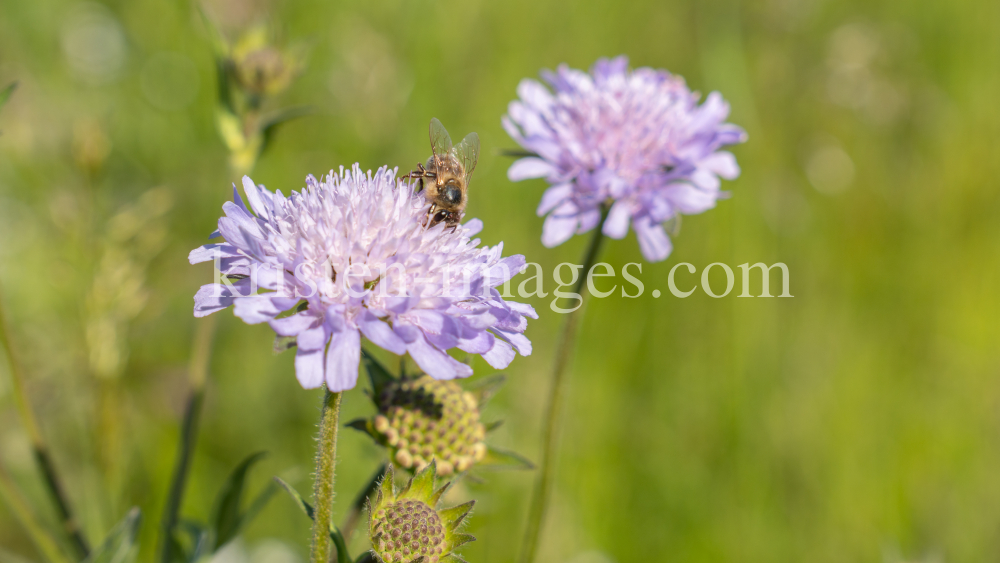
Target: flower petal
[
  {"x": 500, "y": 355},
  {"x": 553, "y": 197},
  {"x": 529, "y": 167},
  {"x": 309, "y": 368},
  {"x": 342, "y": 360},
  {"x": 217, "y": 296},
  {"x": 558, "y": 227},
  {"x": 380, "y": 333},
  {"x": 616, "y": 225},
  {"x": 434, "y": 362},
  {"x": 653, "y": 241},
  {"x": 256, "y": 309}
]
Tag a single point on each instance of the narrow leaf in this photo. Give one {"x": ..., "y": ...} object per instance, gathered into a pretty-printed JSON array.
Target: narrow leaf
[
  {"x": 458, "y": 540},
  {"x": 378, "y": 374},
  {"x": 6, "y": 92},
  {"x": 452, "y": 517},
  {"x": 485, "y": 388},
  {"x": 421, "y": 486},
  {"x": 284, "y": 343},
  {"x": 306, "y": 508},
  {"x": 227, "y": 518},
  {"x": 119, "y": 546},
  {"x": 497, "y": 458},
  {"x": 491, "y": 426}
]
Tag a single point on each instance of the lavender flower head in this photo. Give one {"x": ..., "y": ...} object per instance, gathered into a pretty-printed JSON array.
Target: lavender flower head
[
  {"x": 637, "y": 140},
  {"x": 352, "y": 256}
]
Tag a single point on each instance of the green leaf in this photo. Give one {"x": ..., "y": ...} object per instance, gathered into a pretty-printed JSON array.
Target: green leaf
[
  {"x": 484, "y": 389},
  {"x": 306, "y": 508},
  {"x": 270, "y": 125},
  {"x": 284, "y": 343},
  {"x": 378, "y": 374},
  {"x": 421, "y": 486},
  {"x": 338, "y": 539},
  {"x": 458, "y": 540},
  {"x": 9, "y": 557},
  {"x": 452, "y": 517},
  {"x": 227, "y": 519},
  {"x": 119, "y": 546},
  {"x": 6, "y": 92},
  {"x": 497, "y": 458},
  {"x": 200, "y": 542},
  {"x": 362, "y": 425},
  {"x": 366, "y": 557},
  {"x": 491, "y": 426}
]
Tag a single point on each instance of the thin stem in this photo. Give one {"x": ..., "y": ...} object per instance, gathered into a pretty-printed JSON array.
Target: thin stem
[
  {"x": 326, "y": 462},
  {"x": 45, "y": 543},
  {"x": 201, "y": 353},
  {"x": 564, "y": 355},
  {"x": 39, "y": 448}
]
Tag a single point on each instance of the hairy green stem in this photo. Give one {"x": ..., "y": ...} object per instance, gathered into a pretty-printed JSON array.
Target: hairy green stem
[
  {"x": 326, "y": 462},
  {"x": 201, "y": 353},
  {"x": 46, "y": 544},
  {"x": 39, "y": 448},
  {"x": 564, "y": 355}
]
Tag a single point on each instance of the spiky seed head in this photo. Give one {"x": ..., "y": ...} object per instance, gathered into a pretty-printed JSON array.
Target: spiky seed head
[
  {"x": 407, "y": 527},
  {"x": 423, "y": 420}
]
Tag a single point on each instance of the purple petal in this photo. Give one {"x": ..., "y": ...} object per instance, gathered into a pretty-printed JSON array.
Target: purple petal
[
  {"x": 314, "y": 338},
  {"x": 480, "y": 344},
  {"x": 553, "y": 197},
  {"x": 616, "y": 225},
  {"x": 407, "y": 332},
  {"x": 380, "y": 333},
  {"x": 722, "y": 163},
  {"x": 653, "y": 241},
  {"x": 529, "y": 167},
  {"x": 217, "y": 296},
  {"x": 293, "y": 325},
  {"x": 209, "y": 252},
  {"x": 309, "y": 368},
  {"x": 500, "y": 355},
  {"x": 436, "y": 363},
  {"x": 342, "y": 360},
  {"x": 472, "y": 227},
  {"x": 261, "y": 308},
  {"x": 523, "y": 309},
  {"x": 687, "y": 198},
  {"x": 560, "y": 225},
  {"x": 255, "y": 199},
  {"x": 519, "y": 341}
]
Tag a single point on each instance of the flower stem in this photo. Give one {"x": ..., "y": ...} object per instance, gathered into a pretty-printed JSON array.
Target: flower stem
[
  {"x": 326, "y": 462},
  {"x": 39, "y": 448},
  {"x": 45, "y": 543},
  {"x": 564, "y": 355},
  {"x": 201, "y": 352}
]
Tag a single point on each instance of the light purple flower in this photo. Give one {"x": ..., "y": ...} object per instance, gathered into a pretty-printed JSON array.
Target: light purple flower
[
  {"x": 636, "y": 140},
  {"x": 352, "y": 257}
]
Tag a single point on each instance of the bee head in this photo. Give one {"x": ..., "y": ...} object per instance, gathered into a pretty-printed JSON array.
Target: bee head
[{"x": 451, "y": 193}]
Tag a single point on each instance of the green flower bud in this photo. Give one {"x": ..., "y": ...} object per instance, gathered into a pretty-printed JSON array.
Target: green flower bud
[
  {"x": 423, "y": 420},
  {"x": 407, "y": 527}
]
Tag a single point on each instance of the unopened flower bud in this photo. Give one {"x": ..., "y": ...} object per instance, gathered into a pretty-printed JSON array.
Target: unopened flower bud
[{"x": 407, "y": 526}]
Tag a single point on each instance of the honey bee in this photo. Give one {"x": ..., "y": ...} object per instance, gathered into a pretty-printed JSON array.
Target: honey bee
[{"x": 447, "y": 174}]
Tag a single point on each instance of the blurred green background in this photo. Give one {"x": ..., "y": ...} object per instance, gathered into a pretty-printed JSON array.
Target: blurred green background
[{"x": 857, "y": 421}]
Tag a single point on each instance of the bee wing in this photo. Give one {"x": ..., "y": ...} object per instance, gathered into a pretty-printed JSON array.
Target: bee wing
[
  {"x": 440, "y": 140},
  {"x": 467, "y": 153}
]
